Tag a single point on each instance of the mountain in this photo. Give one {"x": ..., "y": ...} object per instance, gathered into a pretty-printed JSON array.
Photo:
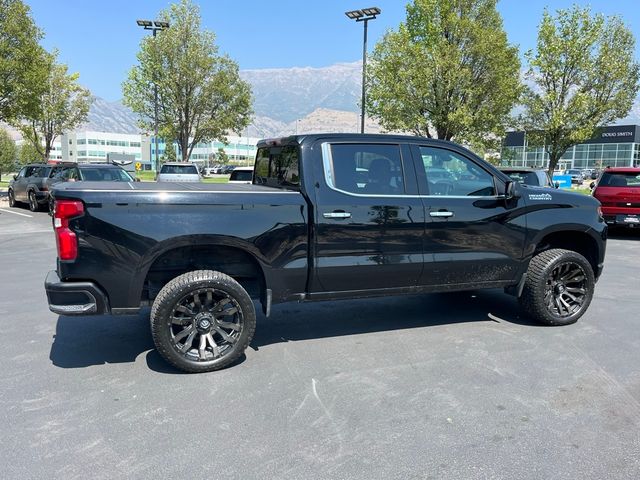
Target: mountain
[
  {"x": 286, "y": 100},
  {"x": 288, "y": 94},
  {"x": 107, "y": 116}
]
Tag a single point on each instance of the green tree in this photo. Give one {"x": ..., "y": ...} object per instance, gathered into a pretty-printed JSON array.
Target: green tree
[
  {"x": 447, "y": 72},
  {"x": 8, "y": 153},
  {"x": 200, "y": 94},
  {"x": 29, "y": 154},
  {"x": 222, "y": 157},
  {"x": 62, "y": 106},
  {"x": 21, "y": 60},
  {"x": 583, "y": 75}
]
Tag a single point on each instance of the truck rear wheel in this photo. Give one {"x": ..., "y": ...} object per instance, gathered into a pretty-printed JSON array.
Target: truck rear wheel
[
  {"x": 202, "y": 321},
  {"x": 559, "y": 287}
]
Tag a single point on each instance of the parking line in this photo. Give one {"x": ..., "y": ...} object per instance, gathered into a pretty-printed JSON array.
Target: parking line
[{"x": 16, "y": 213}]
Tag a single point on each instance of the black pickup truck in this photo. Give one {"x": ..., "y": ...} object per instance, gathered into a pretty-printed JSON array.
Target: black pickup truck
[{"x": 327, "y": 217}]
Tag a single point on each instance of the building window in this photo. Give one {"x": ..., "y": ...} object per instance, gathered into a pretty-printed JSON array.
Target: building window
[{"x": 70, "y": 142}]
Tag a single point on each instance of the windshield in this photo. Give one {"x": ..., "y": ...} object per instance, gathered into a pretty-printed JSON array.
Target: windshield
[
  {"x": 620, "y": 179},
  {"x": 241, "y": 175},
  {"x": 179, "y": 169},
  {"x": 105, "y": 175},
  {"x": 526, "y": 178}
]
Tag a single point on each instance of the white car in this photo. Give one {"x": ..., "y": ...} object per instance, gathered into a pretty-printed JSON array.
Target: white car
[
  {"x": 178, "y": 172},
  {"x": 241, "y": 175}
]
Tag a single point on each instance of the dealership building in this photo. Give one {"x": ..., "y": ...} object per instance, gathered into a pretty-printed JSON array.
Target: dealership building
[
  {"x": 99, "y": 147},
  {"x": 615, "y": 146}
]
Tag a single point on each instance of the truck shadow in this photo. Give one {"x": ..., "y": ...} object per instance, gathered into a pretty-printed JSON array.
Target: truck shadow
[
  {"x": 623, "y": 233},
  {"x": 96, "y": 340},
  {"x": 293, "y": 322}
]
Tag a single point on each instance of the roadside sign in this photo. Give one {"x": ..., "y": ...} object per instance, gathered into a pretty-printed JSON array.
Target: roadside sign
[
  {"x": 563, "y": 180},
  {"x": 138, "y": 166}
]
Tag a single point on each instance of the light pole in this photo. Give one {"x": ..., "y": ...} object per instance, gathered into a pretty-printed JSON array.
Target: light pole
[
  {"x": 154, "y": 26},
  {"x": 364, "y": 15}
]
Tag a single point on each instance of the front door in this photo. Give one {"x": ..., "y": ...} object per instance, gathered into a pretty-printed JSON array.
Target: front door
[
  {"x": 472, "y": 237},
  {"x": 369, "y": 220}
]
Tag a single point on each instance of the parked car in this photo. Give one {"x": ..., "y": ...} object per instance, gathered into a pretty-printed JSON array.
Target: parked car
[
  {"x": 312, "y": 231},
  {"x": 227, "y": 169},
  {"x": 29, "y": 186},
  {"x": 576, "y": 176},
  {"x": 178, "y": 172},
  {"x": 618, "y": 190},
  {"x": 535, "y": 177},
  {"x": 87, "y": 172},
  {"x": 241, "y": 175}
]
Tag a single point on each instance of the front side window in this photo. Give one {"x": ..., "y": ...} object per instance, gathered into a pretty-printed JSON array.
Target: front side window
[
  {"x": 30, "y": 171},
  {"x": 277, "y": 166},
  {"x": 451, "y": 174},
  {"x": 365, "y": 169}
]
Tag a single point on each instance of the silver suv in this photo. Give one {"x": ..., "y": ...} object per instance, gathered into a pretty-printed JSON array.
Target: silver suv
[{"x": 178, "y": 172}]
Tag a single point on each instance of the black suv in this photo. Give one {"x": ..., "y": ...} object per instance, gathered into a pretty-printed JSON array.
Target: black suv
[{"x": 29, "y": 186}]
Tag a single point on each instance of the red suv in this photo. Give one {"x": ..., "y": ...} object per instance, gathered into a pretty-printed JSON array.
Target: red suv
[{"x": 618, "y": 190}]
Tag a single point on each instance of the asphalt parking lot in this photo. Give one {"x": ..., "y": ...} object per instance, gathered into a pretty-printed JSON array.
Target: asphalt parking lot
[{"x": 456, "y": 386}]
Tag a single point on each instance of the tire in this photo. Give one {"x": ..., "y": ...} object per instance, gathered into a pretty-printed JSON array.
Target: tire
[
  {"x": 202, "y": 308},
  {"x": 12, "y": 198},
  {"x": 33, "y": 202},
  {"x": 559, "y": 287}
]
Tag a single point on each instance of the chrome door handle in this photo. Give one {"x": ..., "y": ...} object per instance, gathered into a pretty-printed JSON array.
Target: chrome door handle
[
  {"x": 441, "y": 214},
  {"x": 337, "y": 215}
]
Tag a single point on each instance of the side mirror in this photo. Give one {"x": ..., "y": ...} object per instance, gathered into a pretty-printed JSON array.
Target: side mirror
[
  {"x": 511, "y": 190},
  {"x": 592, "y": 185},
  {"x": 556, "y": 185},
  {"x": 15, "y": 177}
]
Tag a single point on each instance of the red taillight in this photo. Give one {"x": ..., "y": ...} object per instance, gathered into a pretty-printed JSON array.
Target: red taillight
[{"x": 65, "y": 238}]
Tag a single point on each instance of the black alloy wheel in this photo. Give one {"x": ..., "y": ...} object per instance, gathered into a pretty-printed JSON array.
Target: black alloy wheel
[
  {"x": 558, "y": 288},
  {"x": 202, "y": 321},
  {"x": 566, "y": 289},
  {"x": 33, "y": 202}
]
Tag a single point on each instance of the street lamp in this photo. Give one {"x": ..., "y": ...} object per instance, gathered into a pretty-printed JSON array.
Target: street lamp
[
  {"x": 154, "y": 26},
  {"x": 363, "y": 15}
]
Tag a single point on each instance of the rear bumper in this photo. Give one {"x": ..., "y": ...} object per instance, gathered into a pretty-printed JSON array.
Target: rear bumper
[
  {"x": 631, "y": 220},
  {"x": 74, "y": 298}
]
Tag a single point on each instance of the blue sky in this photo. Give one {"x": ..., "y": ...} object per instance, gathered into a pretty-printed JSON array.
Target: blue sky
[{"x": 99, "y": 39}]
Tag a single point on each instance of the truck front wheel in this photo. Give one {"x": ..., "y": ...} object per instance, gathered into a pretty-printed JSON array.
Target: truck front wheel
[
  {"x": 558, "y": 288},
  {"x": 202, "y": 321}
]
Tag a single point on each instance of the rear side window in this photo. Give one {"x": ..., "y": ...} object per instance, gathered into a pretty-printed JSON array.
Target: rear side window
[
  {"x": 179, "y": 169},
  {"x": 365, "y": 169},
  {"x": 276, "y": 166},
  {"x": 42, "y": 172},
  {"x": 620, "y": 179}
]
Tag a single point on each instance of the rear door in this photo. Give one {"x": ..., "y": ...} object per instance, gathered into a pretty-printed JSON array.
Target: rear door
[
  {"x": 471, "y": 237},
  {"x": 369, "y": 220}
]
